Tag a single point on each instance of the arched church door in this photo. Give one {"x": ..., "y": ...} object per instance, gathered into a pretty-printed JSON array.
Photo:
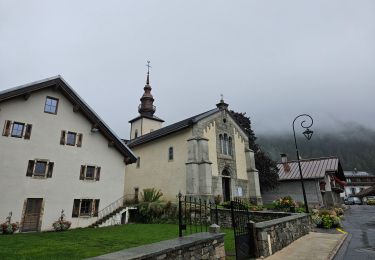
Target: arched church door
[{"x": 226, "y": 185}]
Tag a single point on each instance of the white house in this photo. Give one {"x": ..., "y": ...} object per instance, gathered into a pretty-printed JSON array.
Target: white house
[{"x": 56, "y": 154}]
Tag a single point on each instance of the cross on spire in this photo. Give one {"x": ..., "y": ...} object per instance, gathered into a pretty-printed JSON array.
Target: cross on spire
[{"x": 148, "y": 72}]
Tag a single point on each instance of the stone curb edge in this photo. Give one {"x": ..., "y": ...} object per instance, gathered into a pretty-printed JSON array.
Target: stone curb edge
[{"x": 335, "y": 250}]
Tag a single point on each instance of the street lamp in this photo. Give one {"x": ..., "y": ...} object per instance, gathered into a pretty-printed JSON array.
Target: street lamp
[{"x": 308, "y": 134}]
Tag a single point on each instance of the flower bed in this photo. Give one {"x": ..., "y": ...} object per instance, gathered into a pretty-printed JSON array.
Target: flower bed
[{"x": 327, "y": 218}]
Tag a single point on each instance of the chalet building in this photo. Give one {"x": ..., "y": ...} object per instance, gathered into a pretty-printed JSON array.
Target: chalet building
[
  {"x": 56, "y": 154},
  {"x": 323, "y": 178},
  {"x": 357, "y": 181},
  {"x": 204, "y": 155}
]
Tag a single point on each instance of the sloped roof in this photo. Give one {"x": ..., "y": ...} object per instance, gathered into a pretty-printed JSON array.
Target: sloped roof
[
  {"x": 59, "y": 83},
  {"x": 149, "y": 117},
  {"x": 170, "y": 129},
  {"x": 358, "y": 174},
  {"x": 311, "y": 168},
  {"x": 366, "y": 192}
]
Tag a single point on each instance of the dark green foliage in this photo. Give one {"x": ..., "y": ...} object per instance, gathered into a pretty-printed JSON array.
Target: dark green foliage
[
  {"x": 156, "y": 212},
  {"x": 266, "y": 166},
  {"x": 354, "y": 146},
  {"x": 151, "y": 195}
]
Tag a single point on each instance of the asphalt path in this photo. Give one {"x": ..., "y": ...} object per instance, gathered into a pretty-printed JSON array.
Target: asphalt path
[{"x": 359, "y": 222}]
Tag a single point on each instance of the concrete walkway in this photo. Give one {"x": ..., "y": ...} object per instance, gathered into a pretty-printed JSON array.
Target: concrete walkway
[{"x": 314, "y": 246}]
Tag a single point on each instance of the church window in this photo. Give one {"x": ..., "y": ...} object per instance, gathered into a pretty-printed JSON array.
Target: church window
[
  {"x": 221, "y": 144},
  {"x": 138, "y": 162},
  {"x": 230, "y": 152},
  {"x": 170, "y": 154},
  {"x": 136, "y": 133},
  {"x": 225, "y": 144}
]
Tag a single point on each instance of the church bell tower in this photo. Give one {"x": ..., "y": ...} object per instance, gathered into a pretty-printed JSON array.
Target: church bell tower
[{"x": 146, "y": 122}]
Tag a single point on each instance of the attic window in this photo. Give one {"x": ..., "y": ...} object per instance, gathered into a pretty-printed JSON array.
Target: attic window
[{"x": 51, "y": 105}]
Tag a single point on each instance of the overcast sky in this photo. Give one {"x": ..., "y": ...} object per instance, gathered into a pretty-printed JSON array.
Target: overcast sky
[{"x": 270, "y": 59}]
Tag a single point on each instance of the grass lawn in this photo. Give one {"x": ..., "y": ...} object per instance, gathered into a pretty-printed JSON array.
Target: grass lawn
[{"x": 87, "y": 242}]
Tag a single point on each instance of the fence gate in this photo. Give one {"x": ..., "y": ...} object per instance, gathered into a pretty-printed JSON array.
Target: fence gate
[{"x": 240, "y": 222}]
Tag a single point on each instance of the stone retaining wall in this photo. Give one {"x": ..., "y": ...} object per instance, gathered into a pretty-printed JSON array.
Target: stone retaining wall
[
  {"x": 225, "y": 216},
  {"x": 273, "y": 235},
  {"x": 197, "y": 246}
]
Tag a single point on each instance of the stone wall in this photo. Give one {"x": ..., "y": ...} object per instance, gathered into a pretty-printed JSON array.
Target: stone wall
[
  {"x": 225, "y": 216},
  {"x": 273, "y": 235},
  {"x": 197, "y": 246}
]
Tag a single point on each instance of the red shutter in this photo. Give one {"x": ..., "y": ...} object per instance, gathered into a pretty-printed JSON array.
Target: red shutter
[
  {"x": 6, "y": 130},
  {"x": 62, "y": 138},
  {"x": 50, "y": 170},
  {"x": 28, "y": 131},
  {"x": 82, "y": 173},
  {"x": 75, "y": 211},
  {"x": 79, "y": 140},
  {"x": 96, "y": 208},
  {"x": 97, "y": 177},
  {"x": 30, "y": 168}
]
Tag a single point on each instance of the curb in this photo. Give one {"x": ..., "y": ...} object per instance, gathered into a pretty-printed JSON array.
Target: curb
[{"x": 336, "y": 249}]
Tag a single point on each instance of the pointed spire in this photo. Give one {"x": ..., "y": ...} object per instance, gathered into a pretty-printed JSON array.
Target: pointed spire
[
  {"x": 147, "y": 108},
  {"x": 222, "y": 105}
]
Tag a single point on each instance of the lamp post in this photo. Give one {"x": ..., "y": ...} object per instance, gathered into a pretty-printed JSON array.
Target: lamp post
[{"x": 308, "y": 134}]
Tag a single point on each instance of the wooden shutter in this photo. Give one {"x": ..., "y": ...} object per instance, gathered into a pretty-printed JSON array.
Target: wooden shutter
[
  {"x": 96, "y": 208},
  {"x": 30, "y": 168},
  {"x": 75, "y": 212},
  {"x": 82, "y": 173},
  {"x": 79, "y": 140},
  {"x": 50, "y": 169},
  {"x": 62, "y": 138},
  {"x": 97, "y": 177},
  {"x": 7, "y": 126},
  {"x": 28, "y": 131}
]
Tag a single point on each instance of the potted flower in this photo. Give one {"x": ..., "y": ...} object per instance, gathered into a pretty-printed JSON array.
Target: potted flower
[
  {"x": 61, "y": 224},
  {"x": 8, "y": 227}
]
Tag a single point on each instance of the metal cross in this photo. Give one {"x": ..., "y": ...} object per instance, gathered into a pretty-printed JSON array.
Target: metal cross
[{"x": 148, "y": 66}]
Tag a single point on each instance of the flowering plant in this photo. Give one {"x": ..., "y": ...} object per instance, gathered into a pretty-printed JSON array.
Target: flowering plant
[
  {"x": 285, "y": 203},
  {"x": 326, "y": 219},
  {"x": 8, "y": 227},
  {"x": 61, "y": 224}
]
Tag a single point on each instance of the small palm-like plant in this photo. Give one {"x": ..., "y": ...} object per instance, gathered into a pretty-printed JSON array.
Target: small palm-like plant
[{"x": 151, "y": 195}]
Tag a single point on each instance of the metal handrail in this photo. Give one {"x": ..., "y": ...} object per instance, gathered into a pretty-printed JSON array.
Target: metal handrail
[{"x": 113, "y": 206}]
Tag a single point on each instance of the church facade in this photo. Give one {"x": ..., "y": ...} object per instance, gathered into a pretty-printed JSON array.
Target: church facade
[{"x": 205, "y": 155}]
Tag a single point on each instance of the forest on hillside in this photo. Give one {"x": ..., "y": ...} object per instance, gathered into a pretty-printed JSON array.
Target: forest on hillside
[{"x": 355, "y": 146}]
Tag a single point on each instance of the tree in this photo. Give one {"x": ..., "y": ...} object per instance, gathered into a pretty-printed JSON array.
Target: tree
[{"x": 268, "y": 177}]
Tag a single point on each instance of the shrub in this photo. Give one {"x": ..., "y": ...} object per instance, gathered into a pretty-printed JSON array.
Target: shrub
[
  {"x": 156, "y": 212},
  {"x": 8, "y": 227},
  {"x": 326, "y": 219},
  {"x": 151, "y": 195},
  {"x": 245, "y": 205},
  {"x": 61, "y": 224},
  {"x": 371, "y": 202}
]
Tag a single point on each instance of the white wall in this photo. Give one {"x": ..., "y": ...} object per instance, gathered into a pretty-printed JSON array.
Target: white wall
[{"x": 59, "y": 191}]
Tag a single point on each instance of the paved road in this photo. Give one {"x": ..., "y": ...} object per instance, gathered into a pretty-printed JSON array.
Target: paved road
[{"x": 360, "y": 224}]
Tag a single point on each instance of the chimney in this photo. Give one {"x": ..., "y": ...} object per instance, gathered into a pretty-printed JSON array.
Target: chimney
[
  {"x": 284, "y": 158},
  {"x": 284, "y": 161}
]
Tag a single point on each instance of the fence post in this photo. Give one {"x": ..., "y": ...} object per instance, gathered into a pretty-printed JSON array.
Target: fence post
[
  {"x": 216, "y": 215},
  {"x": 179, "y": 215},
  {"x": 253, "y": 245}
]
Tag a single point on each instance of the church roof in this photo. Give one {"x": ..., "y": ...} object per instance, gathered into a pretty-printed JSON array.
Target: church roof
[
  {"x": 59, "y": 83},
  {"x": 171, "y": 128},
  {"x": 149, "y": 117}
]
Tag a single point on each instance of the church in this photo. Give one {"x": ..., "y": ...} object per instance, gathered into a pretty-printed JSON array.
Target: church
[{"x": 205, "y": 155}]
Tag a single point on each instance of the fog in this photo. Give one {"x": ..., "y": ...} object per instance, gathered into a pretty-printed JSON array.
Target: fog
[{"x": 271, "y": 59}]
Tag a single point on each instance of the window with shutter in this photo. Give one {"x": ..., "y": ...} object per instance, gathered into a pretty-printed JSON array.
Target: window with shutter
[
  {"x": 17, "y": 129},
  {"x": 7, "y": 126},
  {"x": 90, "y": 172},
  {"x": 86, "y": 208},
  {"x": 28, "y": 131},
  {"x": 97, "y": 177},
  {"x": 76, "y": 207},
  {"x": 79, "y": 140},
  {"x": 62, "y": 137},
  {"x": 96, "y": 208},
  {"x": 30, "y": 168},
  {"x": 82, "y": 173},
  {"x": 71, "y": 138},
  {"x": 50, "y": 169}
]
